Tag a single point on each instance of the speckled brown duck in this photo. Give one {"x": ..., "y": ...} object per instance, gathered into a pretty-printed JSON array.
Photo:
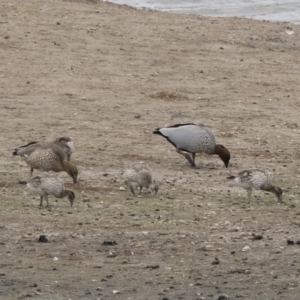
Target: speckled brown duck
[
  {"x": 65, "y": 142},
  {"x": 256, "y": 179},
  {"x": 47, "y": 157},
  {"x": 46, "y": 184},
  {"x": 193, "y": 138},
  {"x": 140, "y": 176}
]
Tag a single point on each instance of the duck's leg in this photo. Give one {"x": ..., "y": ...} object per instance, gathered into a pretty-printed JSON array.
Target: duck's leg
[
  {"x": 186, "y": 155},
  {"x": 41, "y": 201},
  {"x": 132, "y": 190},
  {"x": 141, "y": 187},
  {"x": 31, "y": 171},
  {"x": 249, "y": 195},
  {"x": 46, "y": 198},
  {"x": 194, "y": 155}
]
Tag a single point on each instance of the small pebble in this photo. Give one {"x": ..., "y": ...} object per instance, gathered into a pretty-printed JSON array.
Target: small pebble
[
  {"x": 43, "y": 239},
  {"x": 246, "y": 248}
]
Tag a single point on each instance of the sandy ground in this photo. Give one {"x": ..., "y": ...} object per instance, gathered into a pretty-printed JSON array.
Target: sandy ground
[{"x": 107, "y": 76}]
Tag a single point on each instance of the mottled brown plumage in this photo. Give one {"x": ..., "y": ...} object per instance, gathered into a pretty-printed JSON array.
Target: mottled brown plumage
[
  {"x": 47, "y": 157},
  {"x": 64, "y": 142}
]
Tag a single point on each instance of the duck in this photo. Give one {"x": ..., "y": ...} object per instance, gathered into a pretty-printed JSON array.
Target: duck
[
  {"x": 256, "y": 179},
  {"x": 46, "y": 184},
  {"x": 193, "y": 138},
  {"x": 65, "y": 142},
  {"x": 140, "y": 176},
  {"x": 46, "y": 157}
]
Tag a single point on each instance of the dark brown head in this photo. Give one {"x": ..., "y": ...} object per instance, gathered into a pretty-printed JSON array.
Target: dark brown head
[
  {"x": 277, "y": 191},
  {"x": 223, "y": 153},
  {"x": 71, "y": 169},
  {"x": 70, "y": 195}
]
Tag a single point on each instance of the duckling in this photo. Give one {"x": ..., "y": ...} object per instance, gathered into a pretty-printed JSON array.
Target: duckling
[
  {"x": 140, "y": 176},
  {"x": 193, "y": 138},
  {"x": 66, "y": 143},
  {"x": 47, "y": 157},
  {"x": 46, "y": 184},
  {"x": 255, "y": 179}
]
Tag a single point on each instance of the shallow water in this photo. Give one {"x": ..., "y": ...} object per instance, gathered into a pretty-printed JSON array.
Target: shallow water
[{"x": 272, "y": 10}]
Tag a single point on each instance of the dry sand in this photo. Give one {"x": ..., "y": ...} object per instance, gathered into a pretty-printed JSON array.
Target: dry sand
[{"x": 108, "y": 75}]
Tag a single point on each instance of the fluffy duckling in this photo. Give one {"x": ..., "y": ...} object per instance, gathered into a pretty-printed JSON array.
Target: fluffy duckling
[
  {"x": 66, "y": 143},
  {"x": 47, "y": 157},
  {"x": 140, "y": 176},
  {"x": 193, "y": 138},
  {"x": 255, "y": 179},
  {"x": 46, "y": 184}
]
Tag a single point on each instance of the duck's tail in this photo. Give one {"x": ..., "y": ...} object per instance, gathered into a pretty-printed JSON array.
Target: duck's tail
[{"x": 20, "y": 150}]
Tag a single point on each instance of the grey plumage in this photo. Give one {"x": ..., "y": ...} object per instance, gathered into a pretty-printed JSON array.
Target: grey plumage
[
  {"x": 193, "y": 138},
  {"x": 140, "y": 176},
  {"x": 46, "y": 184},
  {"x": 256, "y": 179}
]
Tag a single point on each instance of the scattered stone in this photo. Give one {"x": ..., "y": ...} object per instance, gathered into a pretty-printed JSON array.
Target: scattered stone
[
  {"x": 290, "y": 242},
  {"x": 257, "y": 236},
  {"x": 111, "y": 254},
  {"x": 137, "y": 116},
  {"x": 105, "y": 174},
  {"x": 116, "y": 292},
  {"x": 109, "y": 243},
  {"x": 216, "y": 261},
  {"x": 246, "y": 248},
  {"x": 121, "y": 188},
  {"x": 43, "y": 239},
  {"x": 7, "y": 283},
  {"x": 152, "y": 267},
  {"x": 22, "y": 182},
  {"x": 223, "y": 297}
]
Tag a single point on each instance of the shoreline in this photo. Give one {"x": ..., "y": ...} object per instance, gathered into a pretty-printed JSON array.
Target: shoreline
[{"x": 260, "y": 17}]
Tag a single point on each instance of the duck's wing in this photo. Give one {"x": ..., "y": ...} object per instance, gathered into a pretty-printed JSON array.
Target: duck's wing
[{"x": 188, "y": 137}]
